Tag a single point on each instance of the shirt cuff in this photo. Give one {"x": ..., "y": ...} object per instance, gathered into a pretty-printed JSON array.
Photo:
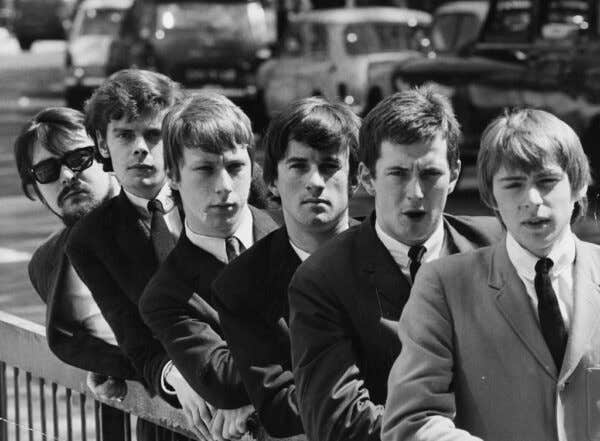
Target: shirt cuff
[{"x": 164, "y": 384}]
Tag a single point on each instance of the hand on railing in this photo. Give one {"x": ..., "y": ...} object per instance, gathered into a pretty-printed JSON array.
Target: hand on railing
[
  {"x": 199, "y": 413},
  {"x": 106, "y": 388},
  {"x": 231, "y": 424}
]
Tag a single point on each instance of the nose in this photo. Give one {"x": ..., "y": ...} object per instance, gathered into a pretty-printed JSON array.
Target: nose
[
  {"x": 141, "y": 147},
  {"x": 533, "y": 197},
  {"x": 66, "y": 175},
  {"x": 316, "y": 182},
  {"x": 224, "y": 183},
  {"x": 414, "y": 189}
]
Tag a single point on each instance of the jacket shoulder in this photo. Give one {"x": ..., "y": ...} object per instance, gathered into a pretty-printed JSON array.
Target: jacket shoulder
[
  {"x": 94, "y": 223},
  {"x": 46, "y": 253},
  {"x": 481, "y": 230}
]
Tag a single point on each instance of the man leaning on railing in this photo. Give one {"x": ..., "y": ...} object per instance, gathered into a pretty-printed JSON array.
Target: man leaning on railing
[{"x": 55, "y": 161}]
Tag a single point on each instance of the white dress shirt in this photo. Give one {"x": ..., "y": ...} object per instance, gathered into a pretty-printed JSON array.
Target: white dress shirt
[
  {"x": 563, "y": 256},
  {"x": 399, "y": 251},
  {"x": 171, "y": 217},
  {"x": 216, "y": 245},
  {"x": 561, "y": 273},
  {"x": 303, "y": 255}
]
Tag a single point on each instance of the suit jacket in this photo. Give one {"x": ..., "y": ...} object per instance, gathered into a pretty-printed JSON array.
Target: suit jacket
[
  {"x": 177, "y": 306},
  {"x": 345, "y": 301},
  {"x": 474, "y": 352},
  {"x": 112, "y": 252},
  {"x": 251, "y": 298},
  {"x": 67, "y": 339}
]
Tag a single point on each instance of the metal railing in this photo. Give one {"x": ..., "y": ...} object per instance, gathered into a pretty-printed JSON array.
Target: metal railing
[{"x": 29, "y": 371}]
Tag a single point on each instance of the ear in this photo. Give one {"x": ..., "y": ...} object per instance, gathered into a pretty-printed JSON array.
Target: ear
[
  {"x": 273, "y": 189},
  {"x": 172, "y": 182},
  {"x": 366, "y": 178},
  {"x": 454, "y": 175},
  {"x": 581, "y": 193},
  {"x": 102, "y": 145}
]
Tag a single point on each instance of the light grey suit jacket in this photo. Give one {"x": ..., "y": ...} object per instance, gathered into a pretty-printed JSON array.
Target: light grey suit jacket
[{"x": 474, "y": 362}]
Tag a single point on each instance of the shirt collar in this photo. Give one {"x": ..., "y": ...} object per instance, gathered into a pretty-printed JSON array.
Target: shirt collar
[
  {"x": 141, "y": 204},
  {"x": 562, "y": 255},
  {"x": 399, "y": 250},
  {"x": 303, "y": 255},
  {"x": 216, "y": 245}
]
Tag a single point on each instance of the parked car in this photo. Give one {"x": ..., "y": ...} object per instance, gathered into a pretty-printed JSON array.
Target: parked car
[
  {"x": 543, "y": 54},
  {"x": 214, "y": 44},
  {"x": 95, "y": 25},
  {"x": 457, "y": 24},
  {"x": 40, "y": 20},
  {"x": 343, "y": 54}
]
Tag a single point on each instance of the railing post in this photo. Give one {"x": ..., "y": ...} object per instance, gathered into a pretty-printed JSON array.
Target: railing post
[{"x": 3, "y": 403}]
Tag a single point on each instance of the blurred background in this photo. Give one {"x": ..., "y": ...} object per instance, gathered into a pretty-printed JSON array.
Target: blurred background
[{"x": 485, "y": 55}]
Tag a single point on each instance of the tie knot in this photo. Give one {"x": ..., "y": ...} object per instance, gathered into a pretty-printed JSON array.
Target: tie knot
[
  {"x": 415, "y": 253},
  {"x": 155, "y": 205},
  {"x": 543, "y": 266}
]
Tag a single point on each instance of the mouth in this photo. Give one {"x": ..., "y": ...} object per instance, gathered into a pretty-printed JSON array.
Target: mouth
[
  {"x": 223, "y": 207},
  {"x": 536, "y": 222},
  {"x": 143, "y": 168},
  {"x": 415, "y": 214},
  {"x": 316, "y": 201},
  {"x": 69, "y": 194}
]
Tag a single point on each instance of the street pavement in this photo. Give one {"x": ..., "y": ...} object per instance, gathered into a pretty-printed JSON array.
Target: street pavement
[{"x": 33, "y": 80}]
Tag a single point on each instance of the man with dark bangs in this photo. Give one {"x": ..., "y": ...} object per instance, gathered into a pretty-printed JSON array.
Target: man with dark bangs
[
  {"x": 310, "y": 164},
  {"x": 207, "y": 149},
  {"x": 118, "y": 247}
]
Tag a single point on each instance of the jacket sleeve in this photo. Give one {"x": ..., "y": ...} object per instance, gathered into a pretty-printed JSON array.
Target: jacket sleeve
[
  {"x": 180, "y": 320},
  {"x": 334, "y": 404},
  {"x": 134, "y": 338},
  {"x": 420, "y": 403},
  {"x": 258, "y": 348}
]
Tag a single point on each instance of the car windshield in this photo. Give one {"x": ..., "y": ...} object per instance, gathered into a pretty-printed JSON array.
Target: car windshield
[
  {"x": 569, "y": 12},
  {"x": 452, "y": 31},
  {"x": 103, "y": 21},
  {"x": 374, "y": 37},
  {"x": 215, "y": 21}
]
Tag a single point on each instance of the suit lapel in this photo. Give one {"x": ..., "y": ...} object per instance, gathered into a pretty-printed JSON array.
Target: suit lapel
[
  {"x": 262, "y": 223},
  {"x": 515, "y": 307},
  {"x": 382, "y": 271},
  {"x": 586, "y": 308}
]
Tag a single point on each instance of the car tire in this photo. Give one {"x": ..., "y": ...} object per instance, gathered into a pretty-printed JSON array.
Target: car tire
[
  {"x": 75, "y": 97},
  {"x": 25, "y": 43}
]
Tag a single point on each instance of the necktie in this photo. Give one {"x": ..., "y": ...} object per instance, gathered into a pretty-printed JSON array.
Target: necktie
[
  {"x": 233, "y": 247},
  {"x": 162, "y": 239},
  {"x": 415, "y": 254},
  {"x": 551, "y": 322}
]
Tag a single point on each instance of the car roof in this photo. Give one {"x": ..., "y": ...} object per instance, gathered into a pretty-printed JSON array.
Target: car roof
[
  {"x": 109, "y": 4},
  {"x": 360, "y": 15},
  {"x": 480, "y": 8}
]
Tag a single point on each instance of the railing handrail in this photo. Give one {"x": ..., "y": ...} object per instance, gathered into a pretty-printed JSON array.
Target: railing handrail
[{"x": 23, "y": 345}]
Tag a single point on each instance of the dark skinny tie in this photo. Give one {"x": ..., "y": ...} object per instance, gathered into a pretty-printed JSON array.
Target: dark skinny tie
[
  {"x": 162, "y": 239},
  {"x": 233, "y": 247},
  {"x": 415, "y": 254},
  {"x": 551, "y": 321}
]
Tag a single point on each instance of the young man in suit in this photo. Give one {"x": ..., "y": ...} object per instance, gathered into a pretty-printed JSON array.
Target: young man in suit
[
  {"x": 346, "y": 298},
  {"x": 55, "y": 161},
  {"x": 208, "y": 142},
  {"x": 310, "y": 163},
  {"x": 504, "y": 343},
  {"x": 117, "y": 247}
]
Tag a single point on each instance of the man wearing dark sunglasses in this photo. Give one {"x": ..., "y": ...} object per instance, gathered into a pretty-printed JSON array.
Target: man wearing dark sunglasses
[{"x": 55, "y": 161}]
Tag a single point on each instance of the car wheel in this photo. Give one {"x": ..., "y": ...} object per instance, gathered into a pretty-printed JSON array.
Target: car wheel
[
  {"x": 373, "y": 99},
  {"x": 25, "y": 43}
]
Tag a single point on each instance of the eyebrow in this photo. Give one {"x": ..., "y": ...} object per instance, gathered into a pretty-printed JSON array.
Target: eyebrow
[{"x": 296, "y": 159}]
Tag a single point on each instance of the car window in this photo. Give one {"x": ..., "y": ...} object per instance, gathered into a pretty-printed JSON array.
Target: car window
[
  {"x": 511, "y": 22},
  {"x": 316, "y": 36},
  {"x": 98, "y": 22},
  {"x": 214, "y": 21},
  {"x": 444, "y": 32},
  {"x": 374, "y": 37}
]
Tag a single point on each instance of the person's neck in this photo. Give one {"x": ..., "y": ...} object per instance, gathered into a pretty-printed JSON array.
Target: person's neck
[
  {"x": 148, "y": 194},
  {"x": 310, "y": 239}
]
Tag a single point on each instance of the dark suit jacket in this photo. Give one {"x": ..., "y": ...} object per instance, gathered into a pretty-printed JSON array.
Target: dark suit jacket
[
  {"x": 177, "y": 306},
  {"x": 112, "y": 252},
  {"x": 345, "y": 302},
  {"x": 251, "y": 298},
  {"x": 66, "y": 338}
]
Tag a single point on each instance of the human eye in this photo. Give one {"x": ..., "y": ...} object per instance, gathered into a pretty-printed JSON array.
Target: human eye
[
  {"x": 203, "y": 168},
  {"x": 152, "y": 136},
  {"x": 297, "y": 165},
  {"x": 330, "y": 166},
  {"x": 235, "y": 167},
  {"x": 397, "y": 172},
  {"x": 125, "y": 135},
  {"x": 431, "y": 173}
]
